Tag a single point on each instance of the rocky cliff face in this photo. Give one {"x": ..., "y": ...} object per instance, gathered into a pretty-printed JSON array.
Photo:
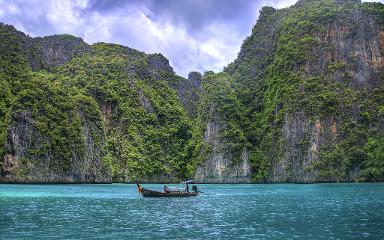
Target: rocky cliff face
[
  {"x": 57, "y": 50},
  {"x": 30, "y": 155},
  {"x": 49, "y": 135},
  {"x": 189, "y": 92},
  {"x": 105, "y": 112},
  {"x": 350, "y": 49},
  {"x": 220, "y": 165},
  {"x": 303, "y": 139},
  {"x": 322, "y": 62},
  {"x": 224, "y": 153}
]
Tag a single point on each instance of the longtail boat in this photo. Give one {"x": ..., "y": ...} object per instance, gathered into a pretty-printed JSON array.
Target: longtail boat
[{"x": 169, "y": 191}]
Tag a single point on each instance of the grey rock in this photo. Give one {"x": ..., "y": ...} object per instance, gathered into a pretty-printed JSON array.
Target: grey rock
[
  {"x": 145, "y": 103},
  {"x": 158, "y": 65},
  {"x": 58, "y": 49},
  {"x": 189, "y": 92},
  {"x": 220, "y": 165},
  {"x": 22, "y": 165},
  {"x": 356, "y": 43}
]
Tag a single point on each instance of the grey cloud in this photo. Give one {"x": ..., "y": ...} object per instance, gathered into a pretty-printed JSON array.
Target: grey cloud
[
  {"x": 193, "y": 15},
  {"x": 30, "y": 16},
  {"x": 196, "y": 14}
]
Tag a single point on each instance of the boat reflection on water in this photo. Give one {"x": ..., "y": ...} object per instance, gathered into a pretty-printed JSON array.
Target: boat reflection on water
[{"x": 170, "y": 191}]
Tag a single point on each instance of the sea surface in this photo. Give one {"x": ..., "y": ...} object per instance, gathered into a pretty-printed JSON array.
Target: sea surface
[{"x": 228, "y": 211}]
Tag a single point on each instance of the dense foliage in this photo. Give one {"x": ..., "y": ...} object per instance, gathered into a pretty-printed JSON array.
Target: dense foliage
[
  {"x": 219, "y": 103},
  {"x": 14, "y": 68},
  {"x": 128, "y": 108},
  {"x": 147, "y": 129}
]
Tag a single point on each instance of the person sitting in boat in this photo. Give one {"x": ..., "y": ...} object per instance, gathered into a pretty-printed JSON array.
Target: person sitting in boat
[
  {"x": 139, "y": 188},
  {"x": 165, "y": 188}
]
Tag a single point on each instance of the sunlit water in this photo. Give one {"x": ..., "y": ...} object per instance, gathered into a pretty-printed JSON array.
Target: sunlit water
[{"x": 276, "y": 211}]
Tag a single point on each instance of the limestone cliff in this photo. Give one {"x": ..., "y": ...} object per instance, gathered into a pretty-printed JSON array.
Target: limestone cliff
[
  {"x": 56, "y": 50},
  {"x": 350, "y": 51},
  {"x": 103, "y": 113},
  {"x": 220, "y": 165},
  {"x": 224, "y": 154},
  {"x": 315, "y": 70},
  {"x": 189, "y": 92},
  {"x": 27, "y": 158}
]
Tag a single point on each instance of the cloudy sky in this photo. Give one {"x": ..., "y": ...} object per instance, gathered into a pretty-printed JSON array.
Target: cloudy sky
[{"x": 193, "y": 34}]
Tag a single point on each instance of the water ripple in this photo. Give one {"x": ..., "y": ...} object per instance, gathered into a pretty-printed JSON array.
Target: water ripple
[{"x": 281, "y": 211}]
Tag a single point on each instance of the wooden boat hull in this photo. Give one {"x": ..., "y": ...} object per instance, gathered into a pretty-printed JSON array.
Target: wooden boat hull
[{"x": 152, "y": 193}]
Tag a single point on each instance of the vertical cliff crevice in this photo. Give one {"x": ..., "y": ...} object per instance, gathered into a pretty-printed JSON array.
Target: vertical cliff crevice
[
  {"x": 189, "y": 92},
  {"x": 224, "y": 155},
  {"x": 220, "y": 165}
]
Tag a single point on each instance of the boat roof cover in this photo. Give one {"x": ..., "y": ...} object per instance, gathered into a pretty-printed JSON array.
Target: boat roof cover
[{"x": 188, "y": 181}]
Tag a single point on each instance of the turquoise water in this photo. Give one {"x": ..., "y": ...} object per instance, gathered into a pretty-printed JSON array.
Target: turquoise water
[{"x": 116, "y": 211}]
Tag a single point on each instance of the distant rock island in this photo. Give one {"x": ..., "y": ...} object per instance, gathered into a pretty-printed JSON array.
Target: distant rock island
[{"x": 303, "y": 103}]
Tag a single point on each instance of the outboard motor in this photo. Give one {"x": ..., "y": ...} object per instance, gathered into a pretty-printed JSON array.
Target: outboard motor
[{"x": 194, "y": 188}]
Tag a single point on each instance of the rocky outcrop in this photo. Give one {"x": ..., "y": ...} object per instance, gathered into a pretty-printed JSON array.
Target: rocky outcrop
[
  {"x": 58, "y": 49},
  {"x": 158, "y": 62},
  {"x": 351, "y": 49},
  {"x": 19, "y": 47},
  {"x": 28, "y": 160},
  {"x": 44, "y": 53},
  {"x": 257, "y": 50},
  {"x": 158, "y": 65},
  {"x": 189, "y": 92},
  {"x": 302, "y": 141},
  {"x": 220, "y": 165}
]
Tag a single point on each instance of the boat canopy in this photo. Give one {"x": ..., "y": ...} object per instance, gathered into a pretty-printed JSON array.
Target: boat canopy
[{"x": 188, "y": 182}]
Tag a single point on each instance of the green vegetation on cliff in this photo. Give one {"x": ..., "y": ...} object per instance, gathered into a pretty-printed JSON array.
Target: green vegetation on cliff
[
  {"x": 220, "y": 97},
  {"x": 295, "y": 83},
  {"x": 118, "y": 96},
  {"x": 219, "y": 102},
  {"x": 14, "y": 68},
  {"x": 147, "y": 129}
]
